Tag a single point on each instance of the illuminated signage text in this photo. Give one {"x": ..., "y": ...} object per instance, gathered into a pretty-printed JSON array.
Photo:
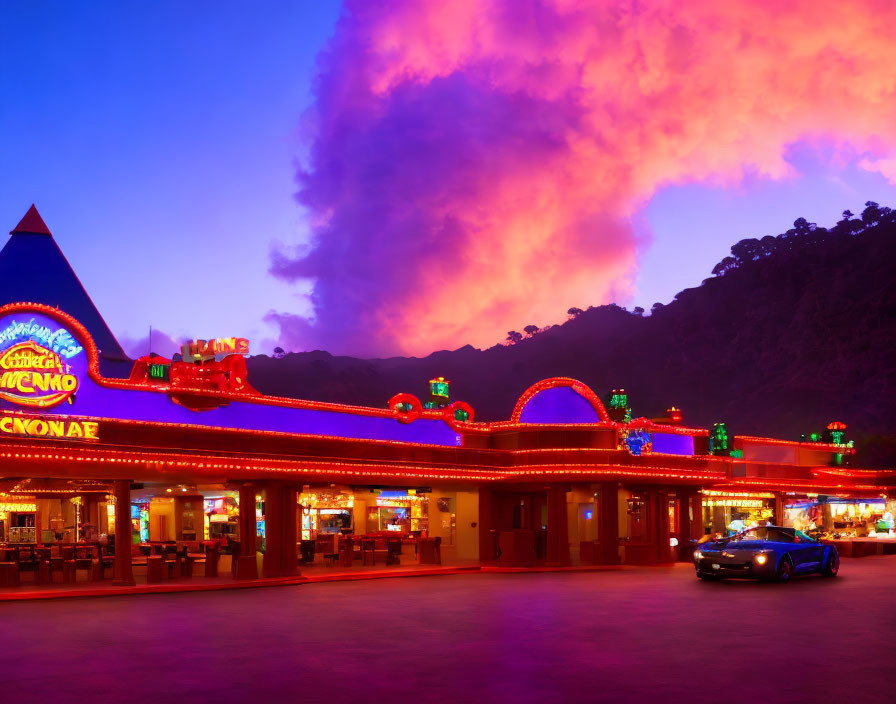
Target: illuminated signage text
[
  {"x": 59, "y": 341},
  {"x": 31, "y": 375},
  {"x": 17, "y": 508},
  {"x": 203, "y": 350},
  {"x": 49, "y": 428}
]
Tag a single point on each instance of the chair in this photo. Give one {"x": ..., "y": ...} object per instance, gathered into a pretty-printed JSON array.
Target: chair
[
  {"x": 326, "y": 543},
  {"x": 173, "y": 562},
  {"x": 139, "y": 555},
  {"x": 154, "y": 568},
  {"x": 86, "y": 564},
  {"x": 43, "y": 572},
  {"x": 346, "y": 551},
  {"x": 211, "y": 559},
  {"x": 57, "y": 564},
  {"x": 27, "y": 561},
  {"x": 105, "y": 558},
  {"x": 9, "y": 574},
  {"x": 306, "y": 548},
  {"x": 368, "y": 549},
  {"x": 69, "y": 571},
  {"x": 393, "y": 552},
  {"x": 235, "y": 552}
]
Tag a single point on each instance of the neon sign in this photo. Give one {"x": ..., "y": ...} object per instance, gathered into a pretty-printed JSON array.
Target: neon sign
[
  {"x": 734, "y": 503},
  {"x": 48, "y": 428},
  {"x": 160, "y": 371},
  {"x": 59, "y": 341},
  {"x": 32, "y": 375},
  {"x": 439, "y": 387},
  {"x": 203, "y": 350},
  {"x": 17, "y": 508}
]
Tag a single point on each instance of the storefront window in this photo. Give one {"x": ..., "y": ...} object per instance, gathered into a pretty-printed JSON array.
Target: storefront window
[
  {"x": 402, "y": 512},
  {"x": 18, "y": 522},
  {"x": 840, "y": 518},
  {"x": 326, "y": 512},
  {"x": 726, "y": 513},
  {"x": 140, "y": 523},
  {"x": 221, "y": 517}
]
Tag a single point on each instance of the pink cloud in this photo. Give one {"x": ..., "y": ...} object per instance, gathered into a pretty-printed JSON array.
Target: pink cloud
[{"x": 477, "y": 166}]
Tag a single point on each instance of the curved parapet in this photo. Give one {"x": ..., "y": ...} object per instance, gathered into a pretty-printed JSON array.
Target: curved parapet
[{"x": 559, "y": 400}]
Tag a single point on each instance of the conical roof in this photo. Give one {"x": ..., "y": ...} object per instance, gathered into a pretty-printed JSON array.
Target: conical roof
[
  {"x": 33, "y": 269},
  {"x": 31, "y": 224}
]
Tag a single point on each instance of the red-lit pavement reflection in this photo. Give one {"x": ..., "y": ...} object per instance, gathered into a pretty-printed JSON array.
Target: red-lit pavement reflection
[{"x": 633, "y": 635}]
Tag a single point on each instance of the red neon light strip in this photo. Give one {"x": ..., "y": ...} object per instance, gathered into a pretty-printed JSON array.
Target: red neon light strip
[{"x": 839, "y": 449}]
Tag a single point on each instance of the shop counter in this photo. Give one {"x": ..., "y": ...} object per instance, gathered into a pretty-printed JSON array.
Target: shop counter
[
  {"x": 589, "y": 552},
  {"x": 638, "y": 552},
  {"x": 517, "y": 548},
  {"x": 428, "y": 551},
  {"x": 862, "y": 547}
]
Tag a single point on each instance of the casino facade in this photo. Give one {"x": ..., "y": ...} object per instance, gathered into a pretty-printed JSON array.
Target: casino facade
[{"x": 182, "y": 455}]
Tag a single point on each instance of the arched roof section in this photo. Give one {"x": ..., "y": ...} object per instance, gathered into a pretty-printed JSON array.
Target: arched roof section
[{"x": 559, "y": 400}]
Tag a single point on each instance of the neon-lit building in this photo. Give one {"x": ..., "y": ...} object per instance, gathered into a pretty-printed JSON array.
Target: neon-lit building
[{"x": 170, "y": 450}]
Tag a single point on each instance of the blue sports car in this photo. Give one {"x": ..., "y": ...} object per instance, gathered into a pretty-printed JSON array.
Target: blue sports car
[{"x": 767, "y": 552}]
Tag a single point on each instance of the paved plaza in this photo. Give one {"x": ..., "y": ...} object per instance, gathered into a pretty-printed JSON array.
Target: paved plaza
[{"x": 640, "y": 635}]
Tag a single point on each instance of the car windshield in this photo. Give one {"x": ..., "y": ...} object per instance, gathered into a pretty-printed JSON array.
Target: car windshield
[
  {"x": 774, "y": 535},
  {"x": 752, "y": 534}
]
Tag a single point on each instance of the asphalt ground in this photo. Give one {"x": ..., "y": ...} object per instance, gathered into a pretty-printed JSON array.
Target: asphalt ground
[{"x": 635, "y": 635}]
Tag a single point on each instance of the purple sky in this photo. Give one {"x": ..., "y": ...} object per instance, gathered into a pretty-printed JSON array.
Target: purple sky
[{"x": 442, "y": 176}]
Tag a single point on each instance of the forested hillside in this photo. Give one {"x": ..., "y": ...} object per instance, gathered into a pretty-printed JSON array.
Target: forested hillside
[{"x": 791, "y": 331}]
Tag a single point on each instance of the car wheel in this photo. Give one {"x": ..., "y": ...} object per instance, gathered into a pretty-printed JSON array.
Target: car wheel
[
  {"x": 832, "y": 567},
  {"x": 785, "y": 570}
]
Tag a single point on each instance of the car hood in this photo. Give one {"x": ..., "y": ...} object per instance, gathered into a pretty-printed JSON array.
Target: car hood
[{"x": 739, "y": 547}]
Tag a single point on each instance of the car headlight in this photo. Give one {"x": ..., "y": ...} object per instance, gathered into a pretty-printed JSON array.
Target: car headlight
[
  {"x": 697, "y": 554},
  {"x": 761, "y": 559}
]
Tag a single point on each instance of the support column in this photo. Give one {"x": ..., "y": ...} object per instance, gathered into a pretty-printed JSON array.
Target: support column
[
  {"x": 663, "y": 549},
  {"x": 779, "y": 508},
  {"x": 89, "y": 511},
  {"x": 608, "y": 523},
  {"x": 124, "y": 572},
  {"x": 247, "y": 565},
  {"x": 650, "y": 555},
  {"x": 290, "y": 563},
  {"x": 697, "y": 526},
  {"x": 558, "y": 528},
  {"x": 689, "y": 519},
  {"x": 486, "y": 539},
  {"x": 280, "y": 556}
]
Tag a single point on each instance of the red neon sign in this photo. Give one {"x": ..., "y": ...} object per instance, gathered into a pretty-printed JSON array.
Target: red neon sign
[
  {"x": 202, "y": 350},
  {"x": 34, "y": 376}
]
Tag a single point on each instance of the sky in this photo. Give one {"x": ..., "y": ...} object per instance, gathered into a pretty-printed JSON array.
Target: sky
[{"x": 380, "y": 178}]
